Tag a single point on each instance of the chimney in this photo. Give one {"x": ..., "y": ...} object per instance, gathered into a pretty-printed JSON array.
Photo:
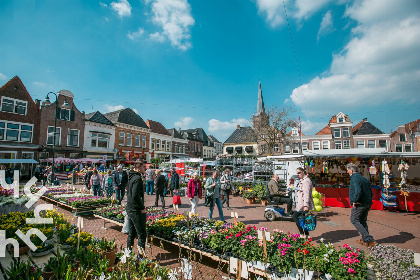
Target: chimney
[
  {"x": 38, "y": 103},
  {"x": 179, "y": 129},
  {"x": 238, "y": 126}
]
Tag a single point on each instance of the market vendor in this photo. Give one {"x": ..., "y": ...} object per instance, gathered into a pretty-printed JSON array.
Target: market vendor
[{"x": 281, "y": 195}]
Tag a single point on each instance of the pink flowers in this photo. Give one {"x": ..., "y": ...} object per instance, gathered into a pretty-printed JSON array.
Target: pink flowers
[{"x": 351, "y": 270}]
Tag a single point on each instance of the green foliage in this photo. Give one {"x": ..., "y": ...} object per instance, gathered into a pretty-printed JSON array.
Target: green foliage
[{"x": 23, "y": 270}]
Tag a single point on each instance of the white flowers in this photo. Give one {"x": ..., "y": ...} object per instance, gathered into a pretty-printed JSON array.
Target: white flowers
[
  {"x": 126, "y": 253},
  {"x": 322, "y": 239},
  {"x": 102, "y": 277}
]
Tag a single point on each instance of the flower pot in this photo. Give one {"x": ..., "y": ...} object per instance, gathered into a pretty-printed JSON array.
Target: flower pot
[
  {"x": 111, "y": 256},
  {"x": 249, "y": 200},
  {"x": 48, "y": 274},
  {"x": 264, "y": 202},
  {"x": 38, "y": 253},
  {"x": 23, "y": 250}
]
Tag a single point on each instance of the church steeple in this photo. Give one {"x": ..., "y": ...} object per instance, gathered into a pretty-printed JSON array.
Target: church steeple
[{"x": 260, "y": 104}]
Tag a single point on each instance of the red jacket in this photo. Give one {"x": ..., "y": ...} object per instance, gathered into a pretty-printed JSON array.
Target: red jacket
[{"x": 191, "y": 188}]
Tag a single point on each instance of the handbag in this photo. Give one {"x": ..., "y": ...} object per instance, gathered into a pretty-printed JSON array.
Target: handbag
[
  {"x": 307, "y": 221},
  {"x": 208, "y": 200}
]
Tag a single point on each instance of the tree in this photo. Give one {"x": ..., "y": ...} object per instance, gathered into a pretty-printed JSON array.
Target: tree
[{"x": 271, "y": 128}]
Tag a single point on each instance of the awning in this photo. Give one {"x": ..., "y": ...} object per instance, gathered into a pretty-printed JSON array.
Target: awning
[
  {"x": 22, "y": 160},
  {"x": 249, "y": 149},
  {"x": 357, "y": 152}
]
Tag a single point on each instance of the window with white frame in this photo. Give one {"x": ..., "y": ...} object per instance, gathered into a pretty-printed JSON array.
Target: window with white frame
[
  {"x": 295, "y": 131},
  {"x": 371, "y": 144},
  {"x": 12, "y": 105},
  {"x": 325, "y": 144},
  {"x": 73, "y": 137},
  {"x": 346, "y": 144},
  {"x": 360, "y": 144},
  {"x": 337, "y": 133},
  {"x": 407, "y": 148},
  {"x": 129, "y": 139},
  {"x": 27, "y": 155},
  {"x": 163, "y": 145},
  {"x": 121, "y": 138},
  {"x": 137, "y": 141},
  {"x": 382, "y": 144},
  {"x": 315, "y": 145},
  {"x": 337, "y": 145},
  {"x": 398, "y": 148},
  {"x": 50, "y": 135},
  {"x": 153, "y": 143},
  {"x": 304, "y": 146},
  {"x": 143, "y": 141},
  {"x": 168, "y": 146},
  {"x": 346, "y": 132},
  {"x": 276, "y": 148},
  {"x": 295, "y": 149},
  {"x": 99, "y": 140},
  {"x": 403, "y": 137},
  {"x": 65, "y": 114},
  {"x": 157, "y": 144},
  {"x": 340, "y": 119},
  {"x": 287, "y": 148},
  {"x": 18, "y": 132}
]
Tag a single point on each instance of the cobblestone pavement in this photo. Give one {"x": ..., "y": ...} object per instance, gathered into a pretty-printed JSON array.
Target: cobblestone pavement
[{"x": 399, "y": 229}]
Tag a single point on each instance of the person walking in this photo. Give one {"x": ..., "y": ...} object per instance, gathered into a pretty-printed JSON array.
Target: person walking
[
  {"x": 7, "y": 176},
  {"x": 165, "y": 174},
  {"x": 213, "y": 187},
  {"x": 87, "y": 176},
  {"x": 174, "y": 183},
  {"x": 150, "y": 180},
  {"x": 304, "y": 200},
  {"x": 360, "y": 196},
  {"x": 161, "y": 184},
  {"x": 194, "y": 192},
  {"x": 119, "y": 181},
  {"x": 280, "y": 195},
  {"x": 226, "y": 187},
  {"x": 96, "y": 182},
  {"x": 136, "y": 210},
  {"x": 107, "y": 186}
]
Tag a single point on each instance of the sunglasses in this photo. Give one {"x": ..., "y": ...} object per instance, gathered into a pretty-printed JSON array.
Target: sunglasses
[{"x": 298, "y": 173}]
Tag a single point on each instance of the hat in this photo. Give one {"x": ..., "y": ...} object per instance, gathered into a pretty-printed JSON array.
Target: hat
[{"x": 195, "y": 173}]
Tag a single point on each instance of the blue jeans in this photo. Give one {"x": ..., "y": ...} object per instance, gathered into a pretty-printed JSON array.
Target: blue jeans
[
  {"x": 96, "y": 190},
  {"x": 218, "y": 202},
  {"x": 120, "y": 192},
  {"x": 149, "y": 187}
]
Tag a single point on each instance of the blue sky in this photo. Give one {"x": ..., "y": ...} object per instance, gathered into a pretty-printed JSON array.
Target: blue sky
[{"x": 197, "y": 63}]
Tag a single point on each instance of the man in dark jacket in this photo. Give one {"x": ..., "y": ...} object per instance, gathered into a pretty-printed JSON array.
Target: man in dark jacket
[
  {"x": 119, "y": 180},
  {"x": 135, "y": 208},
  {"x": 88, "y": 174},
  {"x": 161, "y": 184},
  {"x": 174, "y": 184},
  {"x": 279, "y": 194},
  {"x": 360, "y": 196}
]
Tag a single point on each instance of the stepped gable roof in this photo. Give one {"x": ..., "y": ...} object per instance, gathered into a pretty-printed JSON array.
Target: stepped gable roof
[
  {"x": 126, "y": 116},
  {"x": 326, "y": 130},
  {"x": 98, "y": 118},
  {"x": 16, "y": 80},
  {"x": 364, "y": 127},
  {"x": 213, "y": 139},
  {"x": 409, "y": 127},
  {"x": 334, "y": 119},
  {"x": 157, "y": 127},
  {"x": 243, "y": 134},
  {"x": 175, "y": 133}
]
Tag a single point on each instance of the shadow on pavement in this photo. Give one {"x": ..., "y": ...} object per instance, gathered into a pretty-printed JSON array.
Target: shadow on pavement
[
  {"x": 338, "y": 235},
  {"x": 402, "y": 237}
]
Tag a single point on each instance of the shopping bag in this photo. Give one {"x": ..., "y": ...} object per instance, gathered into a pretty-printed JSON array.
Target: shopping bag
[
  {"x": 307, "y": 221},
  {"x": 176, "y": 199},
  {"x": 208, "y": 200}
]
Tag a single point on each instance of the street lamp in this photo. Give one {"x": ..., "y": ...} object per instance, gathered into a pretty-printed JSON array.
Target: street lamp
[{"x": 65, "y": 106}]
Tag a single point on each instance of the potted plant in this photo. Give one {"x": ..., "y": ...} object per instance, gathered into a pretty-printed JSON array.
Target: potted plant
[
  {"x": 42, "y": 247},
  {"x": 249, "y": 195},
  {"x": 22, "y": 270},
  {"x": 49, "y": 267},
  {"x": 108, "y": 250}
]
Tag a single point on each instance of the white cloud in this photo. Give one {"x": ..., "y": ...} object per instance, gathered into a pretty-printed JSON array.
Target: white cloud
[
  {"x": 174, "y": 17},
  {"x": 327, "y": 25},
  {"x": 310, "y": 128},
  {"x": 135, "y": 111},
  {"x": 103, "y": 4},
  {"x": 382, "y": 56},
  {"x": 122, "y": 7},
  {"x": 111, "y": 108},
  {"x": 39, "y": 84},
  {"x": 219, "y": 126},
  {"x": 157, "y": 37},
  {"x": 135, "y": 35},
  {"x": 184, "y": 122},
  {"x": 2, "y": 77},
  {"x": 273, "y": 10},
  {"x": 306, "y": 8}
]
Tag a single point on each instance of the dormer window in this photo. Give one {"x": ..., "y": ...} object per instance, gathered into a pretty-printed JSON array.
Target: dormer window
[
  {"x": 295, "y": 131},
  {"x": 340, "y": 118}
]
